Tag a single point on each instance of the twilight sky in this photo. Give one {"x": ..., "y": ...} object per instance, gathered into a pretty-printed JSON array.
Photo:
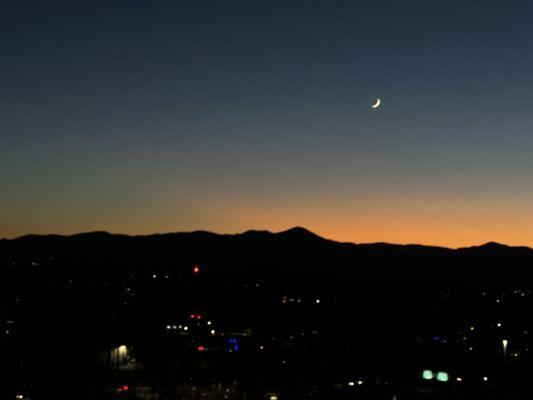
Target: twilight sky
[{"x": 142, "y": 116}]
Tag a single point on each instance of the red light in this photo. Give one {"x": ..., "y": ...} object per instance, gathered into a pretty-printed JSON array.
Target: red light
[
  {"x": 201, "y": 348},
  {"x": 193, "y": 316},
  {"x": 199, "y": 316},
  {"x": 125, "y": 388},
  {"x": 196, "y": 269}
]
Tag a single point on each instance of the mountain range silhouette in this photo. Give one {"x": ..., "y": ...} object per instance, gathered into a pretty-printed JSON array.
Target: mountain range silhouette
[{"x": 296, "y": 252}]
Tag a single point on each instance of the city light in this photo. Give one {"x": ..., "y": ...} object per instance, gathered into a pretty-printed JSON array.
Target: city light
[
  {"x": 427, "y": 374},
  {"x": 442, "y": 377},
  {"x": 123, "y": 388},
  {"x": 122, "y": 350}
]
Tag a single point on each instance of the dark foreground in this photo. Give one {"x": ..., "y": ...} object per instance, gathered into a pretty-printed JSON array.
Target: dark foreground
[{"x": 262, "y": 316}]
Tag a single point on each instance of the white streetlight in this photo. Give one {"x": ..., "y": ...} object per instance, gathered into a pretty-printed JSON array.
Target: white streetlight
[{"x": 505, "y": 344}]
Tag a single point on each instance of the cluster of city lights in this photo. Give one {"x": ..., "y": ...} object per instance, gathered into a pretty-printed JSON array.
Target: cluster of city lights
[
  {"x": 444, "y": 377},
  {"x": 440, "y": 376},
  {"x": 286, "y": 300},
  {"x": 123, "y": 388},
  {"x": 177, "y": 327}
]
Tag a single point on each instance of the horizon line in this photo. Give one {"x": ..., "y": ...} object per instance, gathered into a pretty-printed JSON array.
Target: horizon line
[{"x": 294, "y": 228}]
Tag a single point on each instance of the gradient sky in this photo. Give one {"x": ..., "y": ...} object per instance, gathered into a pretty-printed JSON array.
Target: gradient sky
[{"x": 142, "y": 116}]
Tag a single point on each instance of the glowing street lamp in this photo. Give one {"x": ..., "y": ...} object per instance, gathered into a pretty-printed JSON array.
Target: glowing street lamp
[{"x": 505, "y": 344}]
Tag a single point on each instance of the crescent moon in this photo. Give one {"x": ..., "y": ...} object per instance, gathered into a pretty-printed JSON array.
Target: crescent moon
[{"x": 377, "y": 103}]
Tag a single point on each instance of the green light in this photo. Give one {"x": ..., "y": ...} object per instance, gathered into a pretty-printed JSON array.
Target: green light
[
  {"x": 427, "y": 374},
  {"x": 442, "y": 377}
]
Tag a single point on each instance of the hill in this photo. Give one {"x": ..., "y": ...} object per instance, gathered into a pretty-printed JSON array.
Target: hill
[{"x": 294, "y": 254}]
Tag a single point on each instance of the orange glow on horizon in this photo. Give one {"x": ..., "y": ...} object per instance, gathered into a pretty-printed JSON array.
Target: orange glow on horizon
[{"x": 446, "y": 222}]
